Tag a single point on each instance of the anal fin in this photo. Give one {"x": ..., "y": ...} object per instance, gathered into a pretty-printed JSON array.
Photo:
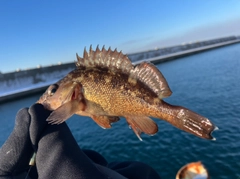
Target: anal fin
[
  {"x": 141, "y": 124},
  {"x": 105, "y": 121}
]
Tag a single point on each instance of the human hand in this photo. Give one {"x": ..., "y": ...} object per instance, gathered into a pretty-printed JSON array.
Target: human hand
[
  {"x": 16, "y": 152},
  {"x": 58, "y": 155}
]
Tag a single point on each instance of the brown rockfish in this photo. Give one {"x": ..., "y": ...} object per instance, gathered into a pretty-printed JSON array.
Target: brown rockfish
[{"x": 106, "y": 85}]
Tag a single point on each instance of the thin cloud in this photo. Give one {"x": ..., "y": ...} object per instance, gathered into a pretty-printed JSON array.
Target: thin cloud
[
  {"x": 134, "y": 44},
  {"x": 224, "y": 29}
]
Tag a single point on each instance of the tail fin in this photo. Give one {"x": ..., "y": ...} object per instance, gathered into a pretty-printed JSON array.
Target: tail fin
[{"x": 187, "y": 120}]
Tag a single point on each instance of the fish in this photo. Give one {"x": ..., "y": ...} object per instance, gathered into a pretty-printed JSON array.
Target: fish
[{"x": 106, "y": 85}]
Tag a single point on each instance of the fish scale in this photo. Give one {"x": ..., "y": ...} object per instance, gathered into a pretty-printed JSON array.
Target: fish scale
[{"x": 112, "y": 98}]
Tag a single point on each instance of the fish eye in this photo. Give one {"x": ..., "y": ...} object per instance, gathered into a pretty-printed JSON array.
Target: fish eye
[{"x": 52, "y": 89}]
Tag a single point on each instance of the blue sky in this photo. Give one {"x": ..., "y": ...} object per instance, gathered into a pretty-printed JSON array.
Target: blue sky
[{"x": 47, "y": 32}]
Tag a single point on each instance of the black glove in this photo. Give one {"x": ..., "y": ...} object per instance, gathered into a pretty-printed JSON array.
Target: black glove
[
  {"x": 18, "y": 149},
  {"x": 57, "y": 153}
]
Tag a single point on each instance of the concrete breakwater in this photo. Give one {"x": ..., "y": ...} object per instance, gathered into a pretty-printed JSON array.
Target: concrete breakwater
[
  {"x": 26, "y": 82},
  {"x": 183, "y": 48},
  {"x": 22, "y": 83}
]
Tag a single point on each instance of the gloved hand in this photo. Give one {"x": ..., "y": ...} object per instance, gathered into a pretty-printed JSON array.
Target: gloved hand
[
  {"x": 16, "y": 152},
  {"x": 57, "y": 153}
]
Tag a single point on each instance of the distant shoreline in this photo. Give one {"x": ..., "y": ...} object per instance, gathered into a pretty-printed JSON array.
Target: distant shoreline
[
  {"x": 38, "y": 81},
  {"x": 168, "y": 57}
]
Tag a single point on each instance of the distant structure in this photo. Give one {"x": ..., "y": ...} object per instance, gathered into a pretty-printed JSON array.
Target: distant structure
[
  {"x": 178, "y": 48},
  {"x": 26, "y": 82}
]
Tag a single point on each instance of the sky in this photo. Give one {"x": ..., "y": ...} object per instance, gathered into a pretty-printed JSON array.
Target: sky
[{"x": 34, "y": 33}]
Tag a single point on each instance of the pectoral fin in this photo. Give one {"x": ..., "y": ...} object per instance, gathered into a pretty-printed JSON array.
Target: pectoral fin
[
  {"x": 65, "y": 111},
  {"x": 141, "y": 124},
  {"x": 105, "y": 121}
]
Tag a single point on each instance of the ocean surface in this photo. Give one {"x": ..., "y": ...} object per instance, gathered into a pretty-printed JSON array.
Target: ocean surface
[{"x": 207, "y": 83}]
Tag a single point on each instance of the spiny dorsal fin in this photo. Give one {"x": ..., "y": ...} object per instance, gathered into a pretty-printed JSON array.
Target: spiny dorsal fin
[
  {"x": 113, "y": 60},
  {"x": 116, "y": 61},
  {"x": 153, "y": 78}
]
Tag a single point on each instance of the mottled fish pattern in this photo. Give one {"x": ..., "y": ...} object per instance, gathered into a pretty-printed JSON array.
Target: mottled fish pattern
[{"x": 106, "y": 85}]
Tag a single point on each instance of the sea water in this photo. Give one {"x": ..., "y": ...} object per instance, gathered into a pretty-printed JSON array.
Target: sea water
[{"x": 207, "y": 83}]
